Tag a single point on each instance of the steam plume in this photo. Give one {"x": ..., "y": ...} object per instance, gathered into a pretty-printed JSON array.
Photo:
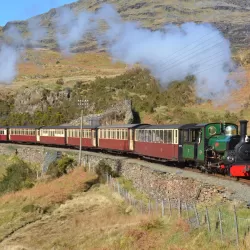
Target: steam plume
[
  {"x": 8, "y": 62},
  {"x": 14, "y": 44},
  {"x": 172, "y": 53},
  {"x": 71, "y": 29}
]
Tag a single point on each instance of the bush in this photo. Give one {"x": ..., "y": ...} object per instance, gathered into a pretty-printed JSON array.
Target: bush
[
  {"x": 102, "y": 169},
  {"x": 60, "y": 81},
  {"x": 18, "y": 175},
  {"x": 61, "y": 167}
]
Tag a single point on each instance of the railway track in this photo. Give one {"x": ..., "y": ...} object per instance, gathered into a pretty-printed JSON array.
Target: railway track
[
  {"x": 161, "y": 164},
  {"x": 224, "y": 177}
]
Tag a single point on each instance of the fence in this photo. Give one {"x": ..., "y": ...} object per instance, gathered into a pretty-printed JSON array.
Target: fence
[{"x": 220, "y": 223}]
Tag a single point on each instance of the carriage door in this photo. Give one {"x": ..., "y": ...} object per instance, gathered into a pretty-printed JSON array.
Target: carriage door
[
  {"x": 131, "y": 139},
  {"x": 38, "y": 135},
  {"x": 94, "y": 138}
]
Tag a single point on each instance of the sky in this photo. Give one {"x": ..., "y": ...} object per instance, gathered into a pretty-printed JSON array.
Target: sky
[{"x": 15, "y": 10}]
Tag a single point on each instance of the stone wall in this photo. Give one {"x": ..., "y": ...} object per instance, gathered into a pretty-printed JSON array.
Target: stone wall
[{"x": 157, "y": 184}]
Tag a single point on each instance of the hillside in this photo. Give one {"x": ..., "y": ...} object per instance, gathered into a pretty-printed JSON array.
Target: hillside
[
  {"x": 232, "y": 17},
  {"x": 75, "y": 212},
  {"x": 48, "y": 84}
]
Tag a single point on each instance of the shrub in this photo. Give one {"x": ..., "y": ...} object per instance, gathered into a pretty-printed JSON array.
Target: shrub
[
  {"x": 102, "y": 169},
  {"x": 18, "y": 175},
  {"x": 60, "y": 81},
  {"x": 61, "y": 167}
]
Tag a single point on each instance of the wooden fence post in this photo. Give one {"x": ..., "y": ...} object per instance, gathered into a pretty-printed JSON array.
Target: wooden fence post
[
  {"x": 236, "y": 227},
  {"x": 162, "y": 208},
  {"x": 196, "y": 214},
  {"x": 186, "y": 206},
  {"x": 149, "y": 207},
  {"x": 221, "y": 229},
  {"x": 170, "y": 207},
  {"x": 208, "y": 221},
  {"x": 179, "y": 207}
]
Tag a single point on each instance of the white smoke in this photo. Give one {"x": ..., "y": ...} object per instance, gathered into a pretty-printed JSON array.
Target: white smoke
[
  {"x": 170, "y": 54},
  {"x": 71, "y": 29},
  {"x": 36, "y": 30},
  {"x": 14, "y": 44},
  {"x": 8, "y": 63}
]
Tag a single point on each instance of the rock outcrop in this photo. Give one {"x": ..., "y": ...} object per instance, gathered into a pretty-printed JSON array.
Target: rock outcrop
[
  {"x": 37, "y": 98},
  {"x": 119, "y": 113}
]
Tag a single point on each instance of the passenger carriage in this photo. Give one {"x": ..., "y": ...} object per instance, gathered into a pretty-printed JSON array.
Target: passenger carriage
[
  {"x": 3, "y": 133},
  {"x": 55, "y": 135},
  {"x": 117, "y": 137},
  {"x": 157, "y": 141},
  {"x": 73, "y": 136},
  {"x": 24, "y": 134}
]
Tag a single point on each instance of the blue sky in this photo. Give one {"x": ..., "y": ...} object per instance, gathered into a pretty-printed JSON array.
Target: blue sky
[{"x": 11, "y": 10}]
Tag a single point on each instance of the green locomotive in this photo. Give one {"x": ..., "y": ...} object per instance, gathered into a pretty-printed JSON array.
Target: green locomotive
[{"x": 216, "y": 147}]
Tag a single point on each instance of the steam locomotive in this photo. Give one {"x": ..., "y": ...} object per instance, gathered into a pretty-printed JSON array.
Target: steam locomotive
[
  {"x": 220, "y": 149},
  {"x": 229, "y": 152},
  {"x": 210, "y": 147}
]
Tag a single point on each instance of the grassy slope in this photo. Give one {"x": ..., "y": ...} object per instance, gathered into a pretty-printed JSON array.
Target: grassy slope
[
  {"x": 45, "y": 67},
  {"x": 97, "y": 219}
]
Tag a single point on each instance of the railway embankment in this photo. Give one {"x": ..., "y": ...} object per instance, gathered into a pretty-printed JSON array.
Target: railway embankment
[{"x": 156, "y": 180}]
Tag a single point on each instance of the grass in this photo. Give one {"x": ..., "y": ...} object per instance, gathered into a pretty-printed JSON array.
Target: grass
[
  {"x": 64, "y": 217},
  {"x": 46, "y": 67},
  {"x": 17, "y": 209}
]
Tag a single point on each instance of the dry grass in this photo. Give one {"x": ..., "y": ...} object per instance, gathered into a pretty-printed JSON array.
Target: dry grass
[
  {"x": 56, "y": 191},
  {"x": 45, "y": 67},
  {"x": 98, "y": 219},
  {"x": 18, "y": 209}
]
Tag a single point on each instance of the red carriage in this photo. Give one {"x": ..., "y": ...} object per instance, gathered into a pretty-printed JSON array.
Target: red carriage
[
  {"x": 3, "y": 133},
  {"x": 88, "y": 136},
  {"x": 55, "y": 135},
  {"x": 24, "y": 134},
  {"x": 157, "y": 141},
  {"x": 117, "y": 137}
]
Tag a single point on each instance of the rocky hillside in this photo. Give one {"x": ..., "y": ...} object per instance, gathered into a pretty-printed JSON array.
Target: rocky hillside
[{"x": 232, "y": 17}]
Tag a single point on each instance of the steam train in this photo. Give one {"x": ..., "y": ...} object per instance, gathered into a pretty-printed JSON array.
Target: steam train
[{"x": 210, "y": 147}]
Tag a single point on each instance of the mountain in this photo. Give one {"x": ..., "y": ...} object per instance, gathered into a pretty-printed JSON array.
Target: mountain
[{"x": 232, "y": 17}]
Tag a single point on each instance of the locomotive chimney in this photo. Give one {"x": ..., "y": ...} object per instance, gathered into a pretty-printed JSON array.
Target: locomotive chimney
[{"x": 243, "y": 130}]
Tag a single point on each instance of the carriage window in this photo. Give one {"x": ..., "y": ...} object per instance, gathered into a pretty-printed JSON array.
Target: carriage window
[
  {"x": 138, "y": 135},
  {"x": 161, "y": 136},
  {"x": 165, "y": 136},
  {"x": 176, "y": 137},
  {"x": 169, "y": 141},
  {"x": 147, "y": 135},
  {"x": 193, "y": 135},
  {"x": 126, "y": 134},
  {"x": 153, "y": 135},
  {"x": 185, "y": 135},
  {"x": 157, "y": 135}
]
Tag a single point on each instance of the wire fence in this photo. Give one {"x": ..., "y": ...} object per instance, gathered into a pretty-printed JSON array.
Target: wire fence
[{"x": 220, "y": 223}]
